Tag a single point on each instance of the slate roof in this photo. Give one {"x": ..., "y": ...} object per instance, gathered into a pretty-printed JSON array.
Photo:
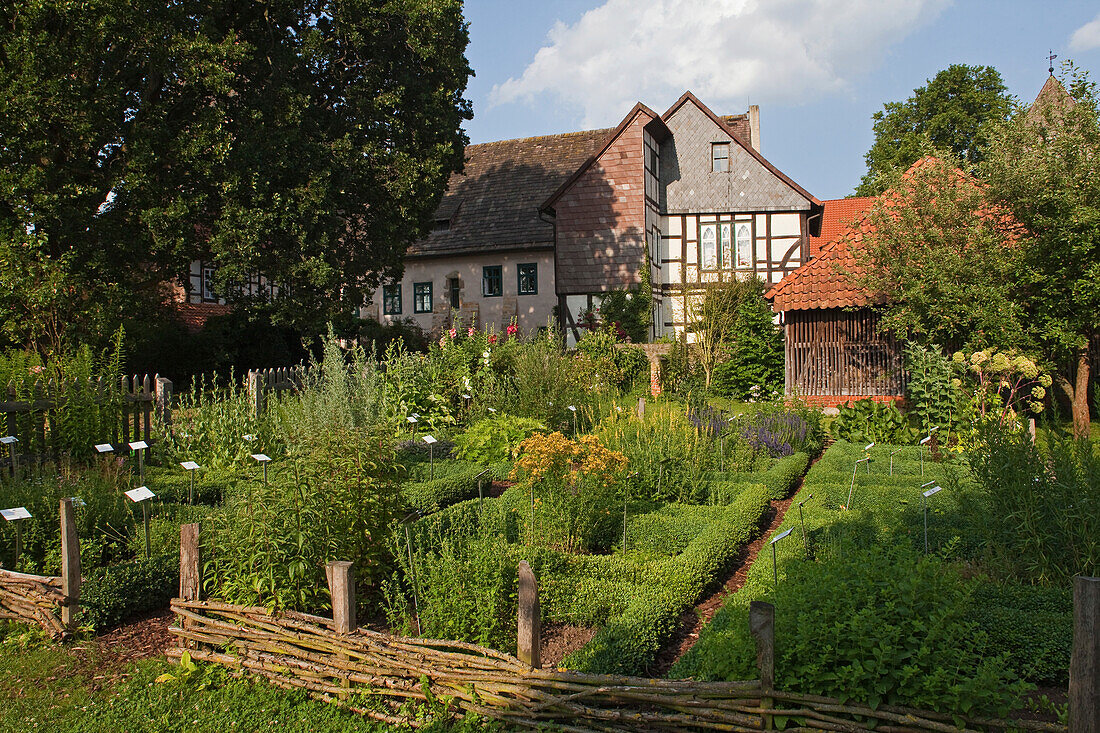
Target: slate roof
[{"x": 494, "y": 203}]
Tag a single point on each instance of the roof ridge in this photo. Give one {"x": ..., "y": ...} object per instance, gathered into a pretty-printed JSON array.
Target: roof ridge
[{"x": 574, "y": 133}]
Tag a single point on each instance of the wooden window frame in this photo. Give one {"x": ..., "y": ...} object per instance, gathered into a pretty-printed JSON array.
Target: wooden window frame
[
  {"x": 418, "y": 291},
  {"x": 715, "y": 166},
  {"x": 534, "y": 276},
  {"x": 492, "y": 274},
  {"x": 391, "y": 294}
]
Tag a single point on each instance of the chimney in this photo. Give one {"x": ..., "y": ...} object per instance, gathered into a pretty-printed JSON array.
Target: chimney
[{"x": 754, "y": 126}]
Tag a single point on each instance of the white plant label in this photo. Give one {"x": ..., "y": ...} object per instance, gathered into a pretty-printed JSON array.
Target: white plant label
[
  {"x": 77, "y": 501},
  {"x": 925, "y": 440},
  {"x": 411, "y": 419},
  {"x": 465, "y": 396},
  {"x": 869, "y": 446},
  {"x": 141, "y": 493},
  {"x": 249, "y": 438},
  {"x": 928, "y": 483},
  {"x": 571, "y": 408},
  {"x": 104, "y": 447},
  {"x": 9, "y": 439},
  {"x": 429, "y": 439},
  {"x": 260, "y": 457},
  {"x": 189, "y": 465},
  {"x": 19, "y": 512},
  {"x": 781, "y": 536},
  {"x": 492, "y": 409},
  {"x": 933, "y": 490},
  {"x": 138, "y": 445}
]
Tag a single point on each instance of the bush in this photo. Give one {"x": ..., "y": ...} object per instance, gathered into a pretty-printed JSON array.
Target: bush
[
  {"x": 866, "y": 421},
  {"x": 112, "y": 594},
  {"x": 629, "y": 643},
  {"x": 881, "y": 626},
  {"x": 433, "y": 495},
  {"x": 754, "y": 369},
  {"x": 493, "y": 439},
  {"x": 1030, "y": 624}
]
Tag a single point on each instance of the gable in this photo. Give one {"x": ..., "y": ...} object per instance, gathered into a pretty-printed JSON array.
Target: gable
[{"x": 750, "y": 184}]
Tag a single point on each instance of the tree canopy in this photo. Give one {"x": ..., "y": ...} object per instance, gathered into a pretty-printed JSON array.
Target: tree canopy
[
  {"x": 1044, "y": 167},
  {"x": 308, "y": 140},
  {"x": 949, "y": 113}
]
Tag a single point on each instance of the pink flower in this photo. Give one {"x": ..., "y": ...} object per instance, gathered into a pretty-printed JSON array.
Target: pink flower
[
  {"x": 493, "y": 339},
  {"x": 452, "y": 333},
  {"x": 37, "y": 369},
  {"x": 512, "y": 329},
  {"x": 471, "y": 331}
]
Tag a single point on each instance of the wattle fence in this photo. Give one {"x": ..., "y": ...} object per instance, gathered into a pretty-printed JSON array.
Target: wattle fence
[{"x": 335, "y": 660}]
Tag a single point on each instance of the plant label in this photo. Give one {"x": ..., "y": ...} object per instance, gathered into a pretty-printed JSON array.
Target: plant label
[
  {"x": 189, "y": 465},
  {"x": 19, "y": 512},
  {"x": 141, "y": 493},
  {"x": 249, "y": 438},
  {"x": 77, "y": 501},
  {"x": 465, "y": 396},
  {"x": 411, "y": 419},
  {"x": 9, "y": 439},
  {"x": 104, "y": 447},
  {"x": 869, "y": 446},
  {"x": 260, "y": 457},
  {"x": 926, "y": 484},
  {"x": 138, "y": 445},
  {"x": 925, "y": 440},
  {"x": 933, "y": 490},
  {"x": 416, "y": 415},
  {"x": 492, "y": 409},
  {"x": 429, "y": 439},
  {"x": 933, "y": 429},
  {"x": 571, "y": 408},
  {"x": 781, "y": 535}
]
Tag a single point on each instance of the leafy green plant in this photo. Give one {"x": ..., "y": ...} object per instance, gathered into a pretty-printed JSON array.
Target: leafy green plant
[
  {"x": 493, "y": 439},
  {"x": 110, "y": 595},
  {"x": 867, "y": 420},
  {"x": 933, "y": 390}
]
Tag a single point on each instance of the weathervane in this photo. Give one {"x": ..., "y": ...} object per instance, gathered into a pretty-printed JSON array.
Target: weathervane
[{"x": 1051, "y": 58}]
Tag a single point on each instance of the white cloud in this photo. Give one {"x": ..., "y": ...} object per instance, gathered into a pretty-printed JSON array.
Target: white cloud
[
  {"x": 1087, "y": 37},
  {"x": 723, "y": 50}
]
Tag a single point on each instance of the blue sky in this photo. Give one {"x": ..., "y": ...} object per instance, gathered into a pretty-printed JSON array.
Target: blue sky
[{"x": 818, "y": 68}]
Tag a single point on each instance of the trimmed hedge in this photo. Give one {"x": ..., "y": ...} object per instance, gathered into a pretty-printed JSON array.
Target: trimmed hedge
[
  {"x": 629, "y": 643},
  {"x": 780, "y": 479},
  {"x": 112, "y": 594},
  {"x": 431, "y": 496}
]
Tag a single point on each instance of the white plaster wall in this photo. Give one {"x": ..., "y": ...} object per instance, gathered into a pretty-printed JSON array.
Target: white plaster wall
[{"x": 530, "y": 311}]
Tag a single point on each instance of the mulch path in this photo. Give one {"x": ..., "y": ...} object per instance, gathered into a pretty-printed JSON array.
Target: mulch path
[
  {"x": 696, "y": 618},
  {"x": 143, "y": 636},
  {"x": 560, "y": 640}
]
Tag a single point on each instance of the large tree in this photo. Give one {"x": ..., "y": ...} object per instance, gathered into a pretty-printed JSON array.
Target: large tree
[
  {"x": 308, "y": 140},
  {"x": 943, "y": 265},
  {"x": 1044, "y": 167},
  {"x": 951, "y": 112}
]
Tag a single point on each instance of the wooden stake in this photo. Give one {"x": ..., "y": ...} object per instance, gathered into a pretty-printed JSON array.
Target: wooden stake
[
  {"x": 1084, "y": 665},
  {"x": 341, "y": 583},
  {"x": 190, "y": 563},
  {"x": 70, "y": 564},
  {"x": 762, "y": 628},
  {"x": 164, "y": 401},
  {"x": 530, "y": 627}
]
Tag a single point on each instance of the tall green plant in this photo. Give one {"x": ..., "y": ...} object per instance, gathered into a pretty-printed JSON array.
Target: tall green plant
[{"x": 934, "y": 395}]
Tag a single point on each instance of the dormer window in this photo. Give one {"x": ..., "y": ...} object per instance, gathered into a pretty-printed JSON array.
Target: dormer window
[
  {"x": 719, "y": 157},
  {"x": 441, "y": 225}
]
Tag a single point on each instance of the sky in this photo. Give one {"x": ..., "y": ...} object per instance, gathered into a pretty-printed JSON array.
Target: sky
[{"x": 818, "y": 69}]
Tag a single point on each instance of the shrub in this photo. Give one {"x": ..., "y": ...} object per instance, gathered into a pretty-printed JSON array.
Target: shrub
[
  {"x": 866, "y": 421},
  {"x": 629, "y": 643},
  {"x": 493, "y": 439},
  {"x": 112, "y": 594},
  {"x": 881, "y": 626},
  {"x": 1031, "y": 625},
  {"x": 433, "y": 495},
  {"x": 932, "y": 391},
  {"x": 754, "y": 368}
]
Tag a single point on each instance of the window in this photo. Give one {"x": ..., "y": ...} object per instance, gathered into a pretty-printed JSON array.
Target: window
[
  {"x": 454, "y": 292},
  {"x": 208, "y": 294},
  {"x": 492, "y": 281},
  {"x": 528, "y": 279},
  {"x": 422, "y": 297},
  {"x": 708, "y": 246},
  {"x": 744, "y": 244},
  {"x": 391, "y": 299},
  {"x": 719, "y": 157}
]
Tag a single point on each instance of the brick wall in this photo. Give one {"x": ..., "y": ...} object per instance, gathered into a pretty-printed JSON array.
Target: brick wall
[{"x": 601, "y": 220}]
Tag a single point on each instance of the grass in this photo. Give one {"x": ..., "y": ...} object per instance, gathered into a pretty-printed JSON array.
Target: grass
[{"x": 77, "y": 690}]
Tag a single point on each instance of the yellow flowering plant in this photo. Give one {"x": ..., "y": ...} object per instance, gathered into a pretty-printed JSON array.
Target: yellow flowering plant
[
  {"x": 574, "y": 486},
  {"x": 1005, "y": 384}
]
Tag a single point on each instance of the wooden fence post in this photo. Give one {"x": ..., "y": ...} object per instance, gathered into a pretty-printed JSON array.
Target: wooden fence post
[
  {"x": 256, "y": 393},
  {"x": 164, "y": 401},
  {"x": 70, "y": 565},
  {"x": 641, "y": 407},
  {"x": 341, "y": 583},
  {"x": 762, "y": 628},
  {"x": 1084, "y": 665},
  {"x": 530, "y": 626}
]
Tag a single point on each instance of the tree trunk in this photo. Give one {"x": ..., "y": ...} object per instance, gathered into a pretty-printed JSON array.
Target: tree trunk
[{"x": 1078, "y": 394}]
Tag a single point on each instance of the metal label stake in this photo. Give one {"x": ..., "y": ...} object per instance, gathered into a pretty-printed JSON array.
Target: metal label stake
[
  {"x": 264, "y": 460},
  {"x": 190, "y": 467},
  {"x": 924, "y": 507},
  {"x": 16, "y": 515},
  {"x": 775, "y": 565},
  {"x": 141, "y": 495},
  {"x": 802, "y": 519},
  {"x": 140, "y": 446},
  {"x": 431, "y": 441}
]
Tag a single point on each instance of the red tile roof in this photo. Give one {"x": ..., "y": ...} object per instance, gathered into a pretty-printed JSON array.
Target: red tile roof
[
  {"x": 839, "y": 213},
  {"x": 194, "y": 315}
]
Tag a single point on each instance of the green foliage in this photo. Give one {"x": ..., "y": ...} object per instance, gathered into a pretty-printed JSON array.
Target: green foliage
[
  {"x": 112, "y": 594},
  {"x": 754, "y": 368},
  {"x": 865, "y": 421},
  {"x": 433, "y": 495},
  {"x": 933, "y": 392},
  {"x": 951, "y": 112},
  {"x": 277, "y": 142},
  {"x": 332, "y": 499},
  {"x": 883, "y": 626},
  {"x": 627, "y": 368},
  {"x": 209, "y": 424},
  {"x": 628, "y": 311},
  {"x": 1032, "y": 624},
  {"x": 493, "y": 439},
  {"x": 1043, "y": 504},
  {"x": 629, "y": 643}
]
